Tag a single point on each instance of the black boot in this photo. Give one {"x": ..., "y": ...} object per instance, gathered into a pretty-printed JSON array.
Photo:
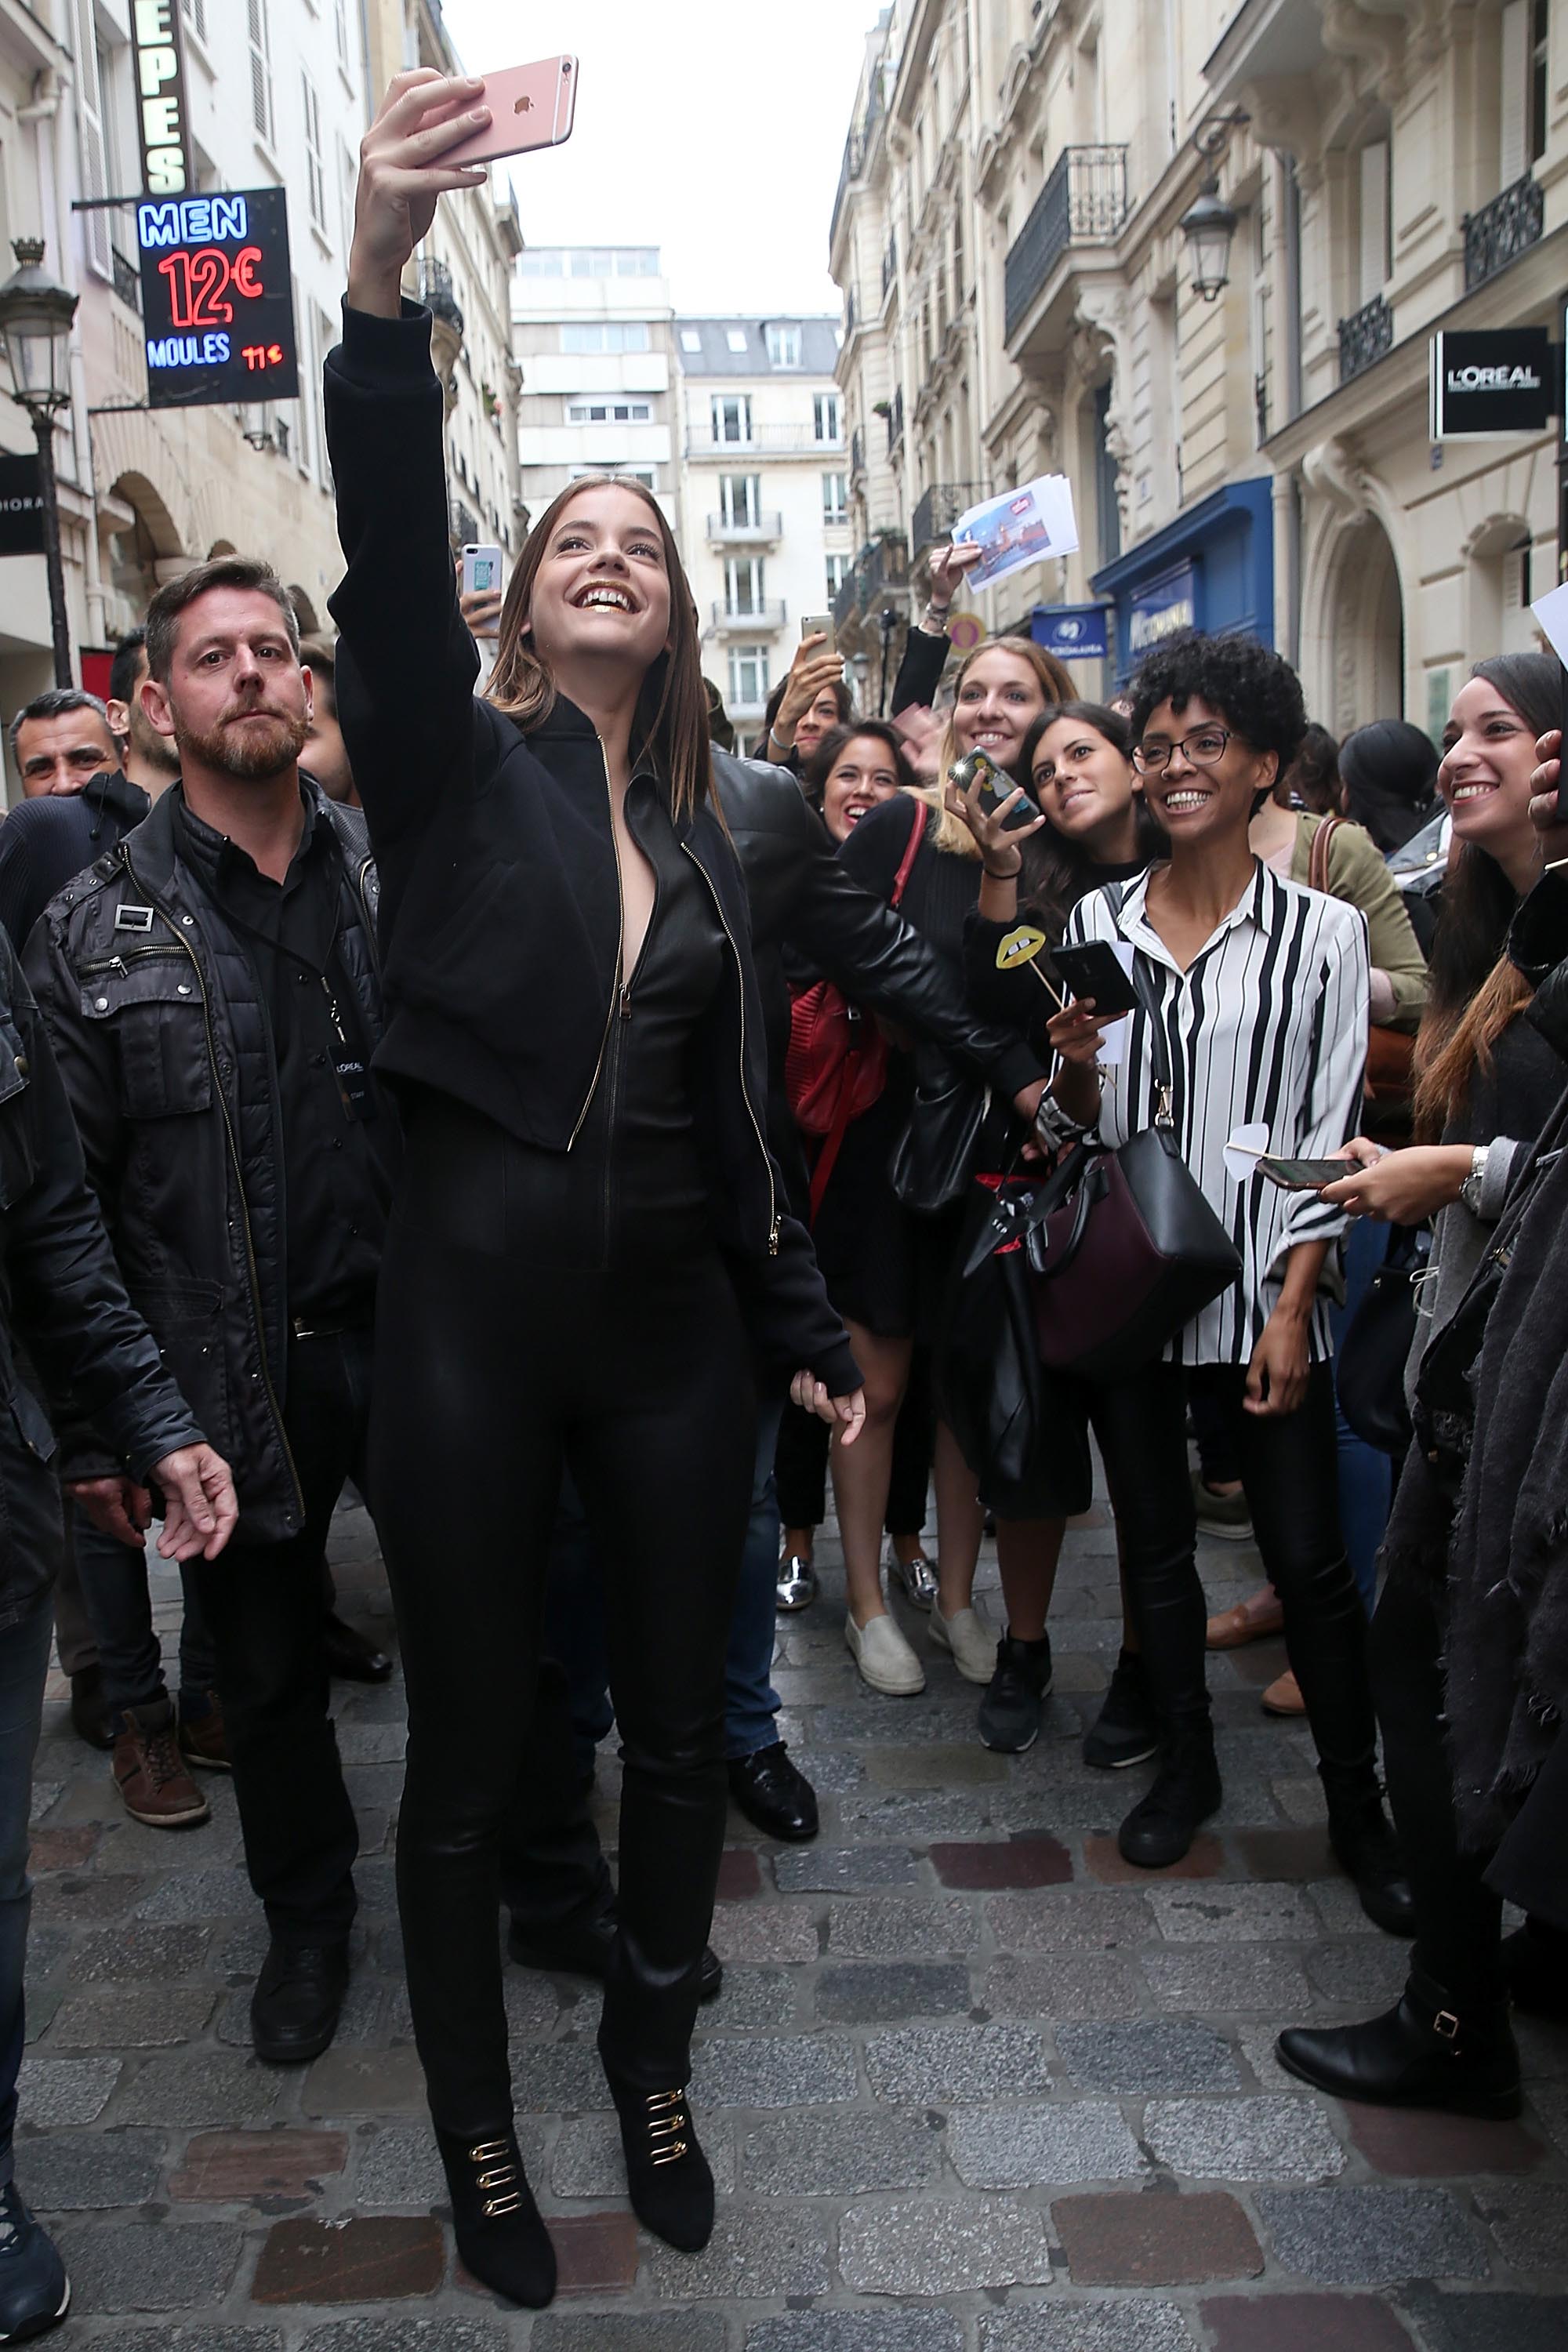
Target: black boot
[
  {"x": 1162, "y": 1826},
  {"x": 1010, "y": 1710},
  {"x": 1424, "y": 2053},
  {"x": 668, "y": 2175},
  {"x": 1126, "y": 1730},
  {"x": 298, "y": 1995},
  {"x": 495, "y": 2220},
  {"x": 1367, "y": 1851},
  {"x": 583, "y": 1949}
]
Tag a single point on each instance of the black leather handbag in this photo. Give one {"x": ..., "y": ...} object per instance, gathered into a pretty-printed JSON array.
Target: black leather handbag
[
  {"x": 1369, "y": 1369},
  {"x": 933, "y": 1160},
  {"x": 1125, "y": 1246}
]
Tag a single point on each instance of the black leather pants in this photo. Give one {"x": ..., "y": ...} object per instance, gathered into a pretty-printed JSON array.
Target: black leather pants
[
  {"x": 491, "y": 1374},
  {"x": 1287, "y": 1468}
]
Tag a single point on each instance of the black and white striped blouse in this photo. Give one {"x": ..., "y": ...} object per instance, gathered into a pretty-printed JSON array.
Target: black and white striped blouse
[{"x": 1267, "y": 1027}]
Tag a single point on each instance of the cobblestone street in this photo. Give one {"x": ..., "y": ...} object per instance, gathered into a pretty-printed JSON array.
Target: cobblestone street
[{"x": 972, "y": 2086}]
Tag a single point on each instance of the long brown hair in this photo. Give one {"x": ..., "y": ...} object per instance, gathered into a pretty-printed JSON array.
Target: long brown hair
[
  {"x": 1473, "y": 990},
  {"x": 951, "y": 834},
  {"x": 672, "y": 707}
]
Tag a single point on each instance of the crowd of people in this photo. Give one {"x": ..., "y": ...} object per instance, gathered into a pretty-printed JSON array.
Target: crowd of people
[{"x": 586, "y": 1140}]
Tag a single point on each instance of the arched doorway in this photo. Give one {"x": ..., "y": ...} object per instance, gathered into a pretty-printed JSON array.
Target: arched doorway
[
  {"x": 138, "y": 554},
  {"x": 1499, "y": 620},
  {"x": 1367, "y": 629}
]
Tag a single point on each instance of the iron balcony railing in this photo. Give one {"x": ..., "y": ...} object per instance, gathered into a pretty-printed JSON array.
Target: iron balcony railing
[
  {"x": 1084, "y": 201},
  {"x": 760, "y": 614},
  {"x": 751, "y": 529},
  {"x": 1502, "y": 230},
  {"x": 127, "y": 278},
  {"x": 895, "y": 421},
  {"x": 436, "y": 294},
  {"x": 1365, "y": 337},
  {"x": 846, "y": 600},
  {"x": 939, "y": 509},
  {"x": 883, "y": 564},
  {"x": 781, "y": 440}
]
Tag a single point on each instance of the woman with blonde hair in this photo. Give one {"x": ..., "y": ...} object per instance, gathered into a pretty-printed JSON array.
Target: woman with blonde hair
[{"x": 1003, "y": 687}]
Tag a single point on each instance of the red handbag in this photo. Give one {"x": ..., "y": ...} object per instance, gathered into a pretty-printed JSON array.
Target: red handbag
[{"x": 837, "y": 1066}]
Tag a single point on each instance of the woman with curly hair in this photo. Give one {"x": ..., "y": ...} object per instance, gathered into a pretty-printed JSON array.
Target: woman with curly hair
[{"x": 1259, "y": 992}]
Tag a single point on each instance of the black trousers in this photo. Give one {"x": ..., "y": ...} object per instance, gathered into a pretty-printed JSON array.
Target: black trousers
[
  {"x": 1458, "y": 1920},
  {"x": 491, "y": 1375},
  {"x": 1287, "y": 1467},
  {"x": 262, "y": 1604}
]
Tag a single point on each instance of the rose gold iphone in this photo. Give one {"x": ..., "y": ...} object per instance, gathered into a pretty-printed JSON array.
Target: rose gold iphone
[{"x": 531, "y": 106}]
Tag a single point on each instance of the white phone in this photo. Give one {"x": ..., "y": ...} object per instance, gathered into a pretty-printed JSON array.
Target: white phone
[{"x": 481, "y": 571}]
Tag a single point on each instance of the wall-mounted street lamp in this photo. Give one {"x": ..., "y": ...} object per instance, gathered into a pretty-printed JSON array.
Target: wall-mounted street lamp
[
  {"x": 36, "y": 317},
  {"x": 1209, "y": 224}
]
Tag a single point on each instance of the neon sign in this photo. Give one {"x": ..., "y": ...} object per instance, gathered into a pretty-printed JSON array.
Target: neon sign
[
  {"x": 160, "y": 95},
  {"x": 217, "y": 299}
]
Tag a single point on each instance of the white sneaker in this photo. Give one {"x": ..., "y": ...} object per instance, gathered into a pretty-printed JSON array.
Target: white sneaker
[
  {"x": 885, "y": 1659},
  {"x": 971, "y": 1640}
]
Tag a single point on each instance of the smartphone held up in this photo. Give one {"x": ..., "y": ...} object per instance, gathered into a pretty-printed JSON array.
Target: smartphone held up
[{"x": 530, "y": 107}]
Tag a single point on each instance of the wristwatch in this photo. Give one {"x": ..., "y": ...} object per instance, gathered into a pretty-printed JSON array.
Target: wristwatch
[{"x": 1470, "y": 1190}]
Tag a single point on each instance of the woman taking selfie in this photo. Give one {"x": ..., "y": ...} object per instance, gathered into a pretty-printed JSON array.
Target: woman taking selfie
[
  {"x": 1003, "y": 687},
  {"x": 807, "y": 703},
  {"x": 1259, "y": 993},
  {"x": 586, "y": 1255},
  {"x": 1094, "y": 828}
]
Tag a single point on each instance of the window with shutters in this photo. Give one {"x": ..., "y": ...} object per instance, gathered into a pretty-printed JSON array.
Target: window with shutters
[
  {"x": 89, "y": 116},
  {"x": 341, "y": 17},
  {"x": 260, "y": 69},
  {"x": 1373, "y": 210},
  {"x": 315, "y": 168},
  {"x": 196, "y": 16}
]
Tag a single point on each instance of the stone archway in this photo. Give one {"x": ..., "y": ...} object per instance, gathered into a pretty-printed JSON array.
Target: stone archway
[
  {"x": 1498, "y": 586},
  {"x": 149, "y": 550},
  {"x": 1366, "y": 614}
]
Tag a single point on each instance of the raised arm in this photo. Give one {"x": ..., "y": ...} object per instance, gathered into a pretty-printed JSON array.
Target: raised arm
[{"x": 406, "y": 663}]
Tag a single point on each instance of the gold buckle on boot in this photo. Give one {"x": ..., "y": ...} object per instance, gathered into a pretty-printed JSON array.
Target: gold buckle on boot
[
  {"x": 667, "y": 2121},
  {"x": 500, "y": 2173}
]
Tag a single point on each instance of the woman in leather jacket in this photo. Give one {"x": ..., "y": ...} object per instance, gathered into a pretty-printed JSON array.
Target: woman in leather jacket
[{"x": 588, "y": 1251}]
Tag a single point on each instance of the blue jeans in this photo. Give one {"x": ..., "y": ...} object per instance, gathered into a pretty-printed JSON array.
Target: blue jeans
[
  {"x": 1365, "y": 1475},
  {"x": 575, "y": 1625},
  {"x": 24, "y": 1661}
]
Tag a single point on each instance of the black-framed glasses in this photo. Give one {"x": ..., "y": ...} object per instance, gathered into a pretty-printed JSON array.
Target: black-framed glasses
[{"x": 1203, "y": 748}]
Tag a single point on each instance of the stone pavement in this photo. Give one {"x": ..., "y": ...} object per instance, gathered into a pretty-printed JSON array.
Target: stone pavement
[{"x": 972, "y": 2086}]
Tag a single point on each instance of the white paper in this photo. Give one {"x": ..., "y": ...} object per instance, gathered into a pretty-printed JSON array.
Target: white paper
[
  {"x": 1114, "y": 1044},
  {"x": 1552, "y": 612},
  {"x": 1020, "y": 527},
  {"x": 1244, "y": 1151}
]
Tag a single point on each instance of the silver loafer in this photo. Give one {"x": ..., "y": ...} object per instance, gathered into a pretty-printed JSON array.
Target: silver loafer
[
  {"x": 797, "y": 1585},
  {"x": 918, "y": 1577}
]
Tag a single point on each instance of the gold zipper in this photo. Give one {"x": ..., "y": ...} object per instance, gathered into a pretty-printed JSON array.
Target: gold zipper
[
  {"x": 615, "y": 986},
  {"x": 745, "y": 1097},
  {"x": 239, "y": 1186}
]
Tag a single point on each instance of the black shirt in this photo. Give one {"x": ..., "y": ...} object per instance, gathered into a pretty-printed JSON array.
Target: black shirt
[{"x": 338, "y": 1138}]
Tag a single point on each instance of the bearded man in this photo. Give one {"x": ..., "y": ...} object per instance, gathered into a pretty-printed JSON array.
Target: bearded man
[{"x": 212, "y": 993}]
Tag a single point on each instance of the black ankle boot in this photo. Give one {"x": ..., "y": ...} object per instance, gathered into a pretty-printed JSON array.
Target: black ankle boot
[
  {"x": 1424, "y": 2053},
  {"x": 1162, "y": 1826},
  {"x": 668, "y": 2175},
  {"x": 1367, "y": 1851},
  {"x": 494, "y": 2218}
]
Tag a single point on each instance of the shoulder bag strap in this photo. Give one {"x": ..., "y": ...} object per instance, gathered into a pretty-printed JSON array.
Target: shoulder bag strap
[
  {"x": 1318, "y": 857},
  {"x": 906, "y": 863}
]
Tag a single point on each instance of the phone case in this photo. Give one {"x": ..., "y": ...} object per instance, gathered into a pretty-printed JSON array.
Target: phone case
[
  {"x": 1113, "y": 996},
  {"x": 531, "y": 106}
]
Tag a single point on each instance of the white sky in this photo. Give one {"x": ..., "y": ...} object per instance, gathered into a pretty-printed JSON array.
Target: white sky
[{"x": 712, "y": 128}]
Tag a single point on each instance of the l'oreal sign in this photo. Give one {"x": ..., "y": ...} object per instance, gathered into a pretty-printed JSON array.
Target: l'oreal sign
[{"x": 1485, "y": 386}]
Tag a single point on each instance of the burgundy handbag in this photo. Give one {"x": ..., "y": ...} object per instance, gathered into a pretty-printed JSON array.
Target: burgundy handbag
[{"x": 1125, "y": 1247}]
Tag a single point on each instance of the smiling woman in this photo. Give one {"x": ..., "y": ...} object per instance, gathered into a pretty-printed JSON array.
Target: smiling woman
[{"x": 589, "y": 1263}]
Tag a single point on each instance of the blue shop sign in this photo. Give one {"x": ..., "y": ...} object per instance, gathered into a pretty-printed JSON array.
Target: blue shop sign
[
  {"x": 1161, "y": 607},
  {"x": 1072, "y": 632}
]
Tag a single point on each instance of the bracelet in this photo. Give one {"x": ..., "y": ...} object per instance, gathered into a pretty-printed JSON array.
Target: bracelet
[
  {"x": 937, "y": 612},
  {"x": 1011, "y": 875}
]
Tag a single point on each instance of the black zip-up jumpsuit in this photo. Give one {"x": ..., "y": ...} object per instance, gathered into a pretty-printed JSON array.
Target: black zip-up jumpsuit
[{"x": 588, "y": 1251}]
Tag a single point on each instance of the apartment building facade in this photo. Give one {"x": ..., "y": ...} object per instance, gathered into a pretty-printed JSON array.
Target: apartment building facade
[
  {"x": 593, "y": 337},
  {"x": 1019, "y": 293},
  {"x": 765, "y": 521}
]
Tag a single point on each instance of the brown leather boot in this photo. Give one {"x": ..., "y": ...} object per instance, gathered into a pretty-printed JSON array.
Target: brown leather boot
[
  {"x": 151, "y": 1772},
  {"x": 203, "y": 1738}
]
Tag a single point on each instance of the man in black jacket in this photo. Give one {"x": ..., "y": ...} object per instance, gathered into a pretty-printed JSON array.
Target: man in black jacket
[
  {"x": 212, "y": 993},
  {"x": 61, "y": 1299}
]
